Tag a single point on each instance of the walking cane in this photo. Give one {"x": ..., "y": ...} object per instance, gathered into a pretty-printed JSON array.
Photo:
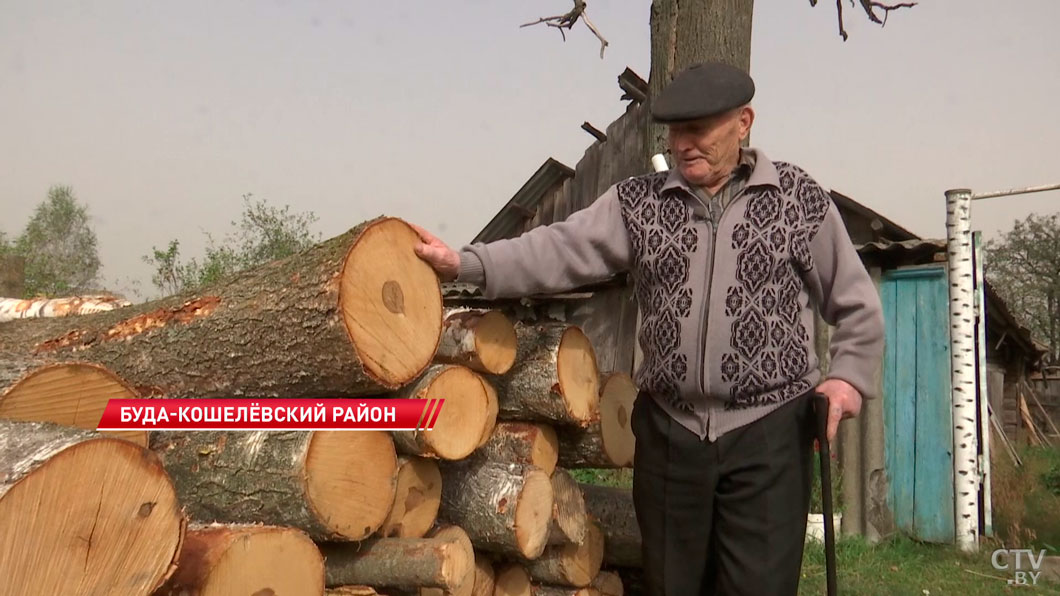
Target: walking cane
[{"x": 820, "y": 407}]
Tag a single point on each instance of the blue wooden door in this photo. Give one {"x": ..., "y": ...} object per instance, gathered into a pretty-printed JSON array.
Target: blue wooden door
[{"x": 917, "y": 408}]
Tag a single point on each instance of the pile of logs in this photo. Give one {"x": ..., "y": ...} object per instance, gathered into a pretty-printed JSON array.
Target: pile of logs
[{"x": 482, "y": 504}]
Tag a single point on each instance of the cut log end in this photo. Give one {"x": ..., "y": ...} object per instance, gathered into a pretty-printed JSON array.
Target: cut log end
[
  {"x": 463, "y": 418},
  {"x": 513, "y": 580},
  {"x": 416, "y": 500},
  {"x": 609, "y": 583},
  {"x": 71, "y": 394},
  {"x": 222, "y": 560},
  {"x": 391, "y": 303},
  {"x": 97, "y": 514},
  {"x": 460, "y": 565},
  {"x": 574, "y": 565},
  {"x": 569, "y": 518},
  {"x": 578, "y": 374},
  {"x": 533, "y": 513},
  {"x": 495, "y": 342},
  {"x": 616, "y": 407},
  {"x": 351, "y": 480},
  {"x": 523, "y": 443},
  {"x": 485, "y": 576}
]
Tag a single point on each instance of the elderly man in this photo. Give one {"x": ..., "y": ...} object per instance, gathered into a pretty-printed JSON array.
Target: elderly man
[{"x": 730, "y": 254}]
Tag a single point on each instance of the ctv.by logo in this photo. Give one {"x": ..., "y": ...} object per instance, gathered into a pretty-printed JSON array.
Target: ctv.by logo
[{"x": 1002, "y": 557}]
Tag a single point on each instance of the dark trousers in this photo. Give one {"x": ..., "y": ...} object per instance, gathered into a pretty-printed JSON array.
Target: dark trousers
[{"x": 727, "y": 517}]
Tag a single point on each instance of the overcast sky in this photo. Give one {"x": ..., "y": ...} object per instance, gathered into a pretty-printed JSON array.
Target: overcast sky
[{"x": 161, "y": 115}]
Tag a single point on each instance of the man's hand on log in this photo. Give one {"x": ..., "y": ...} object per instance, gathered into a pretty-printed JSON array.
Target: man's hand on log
[{"x": 445, "y": 260}]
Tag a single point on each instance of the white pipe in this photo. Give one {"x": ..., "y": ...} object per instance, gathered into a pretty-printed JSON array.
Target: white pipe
[
  {"x": 962, "y": 367},
  {"x": 1016, "y": 191},
  {"x": 984, "y": 395}
]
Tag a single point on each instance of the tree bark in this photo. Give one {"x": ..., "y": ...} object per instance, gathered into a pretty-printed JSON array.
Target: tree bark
[
  {"x": 73, "y": 394},
  {"x": 483, "y": 340},
  {"x": 522, "y": 443},
  {"x": 408, "y": 563},
  {"x": 554, "y": 379},
  {"x": 355, "y": 315},
  {"x": 416, "y": 499},
  {"x": 574, "y": 565},
  {"x": 331, "y": 484},
  {"x": 462, "y": 420},
  {"x": 613, "y": 509},
  {"x": 607, "y": 442},
  {"x": 504, "y": 508},
  {"x": 687, "y": 32},
  {"x": 230, "y": 559},
  {"x": 82, "y": 513},
  {"x": 569, "y": 518}
]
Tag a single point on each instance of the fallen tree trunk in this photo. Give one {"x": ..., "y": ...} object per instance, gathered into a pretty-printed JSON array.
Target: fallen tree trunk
[
  {"x": 607, "y": 442},
  {"x": 514, "y": 580},
  {"x": 612, "y": 508},
  {"x": 483, "y": 340},
  {"x": 522, "y": 443},
  {"x": 569, "y": 518},
  {"x": 241, "y": 559},
  {"x": 29, "y": 308},
  {"x": 67, "y": 393},
  {"x": 417, "y": 495},
  {"x": 355, "y": 315},
  {"x": 446, "y": 562},
  {"x": 554, "y": 379},
  {"x": 504, "y": 508},
  {"x": 574, "y": 565},
  {"x": 82, "y": 513},
  {"x": 463, "y": 417},
  {"x": 331, "y": 484}
]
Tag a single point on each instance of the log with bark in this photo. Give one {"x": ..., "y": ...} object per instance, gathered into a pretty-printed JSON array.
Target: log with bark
[
  {"x": 418, "y": 492},
  {"x": 554, "y": 379},
  {"x": 218, "y": 560},
  {"x": 465, "y": 586},
  {"x": 608, "y": 440},
  {"x": 522, "y": 443},
  {"x": 358, "y": 314},
  {"x": 505, "y": 508},
  {"x": 572, "y": 565},
  {"x": 331, "y": 484},
  {"x": 67, "y": 393},
  {"x": 446, "y": 561},
  {"x": 569, "y": 518},
  {"x": 612, "y": 507},
  {"x": 462, "y": 420},
  {"x": 483, "y": 340},
  {"x": 82, "y": 513},
  {"x": 609, "y": 583},
  {"x": 514, "y": 580}
]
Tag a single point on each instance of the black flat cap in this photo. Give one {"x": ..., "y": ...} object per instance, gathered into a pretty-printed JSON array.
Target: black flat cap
[{"x": 703, "y": 90}]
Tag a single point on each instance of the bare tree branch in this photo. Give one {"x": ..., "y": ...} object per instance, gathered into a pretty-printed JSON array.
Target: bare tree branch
[
  {"x": 568, "y": 20},
  {"x": 870, "y": 7},
  {"x": 839, "y": 11}
]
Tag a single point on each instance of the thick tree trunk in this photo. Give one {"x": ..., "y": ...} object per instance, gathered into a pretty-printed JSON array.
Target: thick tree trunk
[
  {"x": 608, "y": 440},
  {"x": 514, "y": 580},
  {"x": 416, "y": 499},
  {"x": 355, "y": 315},
  {"x": 81, "y": 513},
  {"x": 463, "y": 418},
  {"x": 18, "y": 308},
  {"x": 67, "y": 393},
  {"x": 331, "y": 484},
  {"x": 522, "y": 443},
  {"x": 574, "y": 565},
  {"x": 687, "y": 32},
  {"x": 613, "y": 509},
  {"x": 569, "y": 517},
  {"x": 217, "y": 560},
  {"x": 446, "y": 562},
  {"x": 504, "y": 508},
  {"x": 554, "y": 379},
  {"x": 483, "y": 340},
  {"x": 609, "y": 583}
]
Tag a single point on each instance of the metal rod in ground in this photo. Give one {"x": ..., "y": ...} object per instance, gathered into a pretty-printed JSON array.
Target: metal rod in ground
[{"x": 820, "y": 408}]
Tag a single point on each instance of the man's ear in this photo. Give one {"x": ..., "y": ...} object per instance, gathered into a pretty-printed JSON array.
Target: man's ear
[{"x": 747, "y": 118}]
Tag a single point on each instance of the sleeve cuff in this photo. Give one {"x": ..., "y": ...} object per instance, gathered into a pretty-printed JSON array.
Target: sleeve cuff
[{"x": 471, "y": 269}]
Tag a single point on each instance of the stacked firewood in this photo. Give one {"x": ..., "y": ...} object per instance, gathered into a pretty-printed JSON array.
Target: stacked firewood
[{"x": 482, "y": 504}]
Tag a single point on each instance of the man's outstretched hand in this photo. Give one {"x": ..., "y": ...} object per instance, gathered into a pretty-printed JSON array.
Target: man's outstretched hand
[{"x": 443, "y": 259}]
